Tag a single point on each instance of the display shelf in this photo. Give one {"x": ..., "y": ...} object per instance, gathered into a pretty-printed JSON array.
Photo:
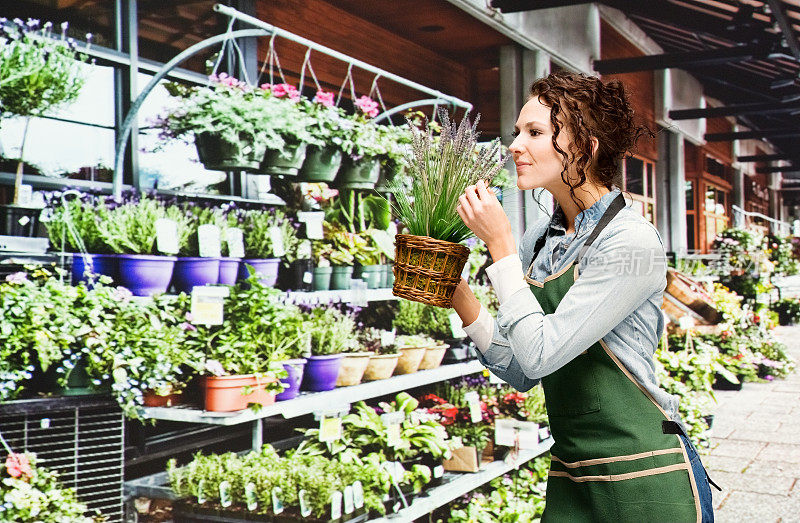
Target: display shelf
[
  {"x": 348, "y": 296},
  {"x": 308, "y": 403},
  {"x": 456, "y": 485}
]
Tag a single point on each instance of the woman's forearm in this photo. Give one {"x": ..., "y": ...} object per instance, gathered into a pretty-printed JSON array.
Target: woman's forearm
[{"x": 465, "y": 303}]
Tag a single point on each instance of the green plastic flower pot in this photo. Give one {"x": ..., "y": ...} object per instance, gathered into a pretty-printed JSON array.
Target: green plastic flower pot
[
  {"x": 322, "y": 278},
  {"x": 372, "y": 274},
  {"x": 219, "y": 154},
  {"x": 359, "y": 174},
  {"x": 340, "y": 277},
  {"x": 321, "y": 164},
  {"x": 286, "y": 162}
]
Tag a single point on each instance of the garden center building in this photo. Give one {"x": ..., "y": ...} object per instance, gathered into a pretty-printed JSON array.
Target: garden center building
[{"x": 716, "y": 81}]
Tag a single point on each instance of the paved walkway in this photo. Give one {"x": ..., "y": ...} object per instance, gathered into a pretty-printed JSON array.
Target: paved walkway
[{"x": 755, "y": 448}]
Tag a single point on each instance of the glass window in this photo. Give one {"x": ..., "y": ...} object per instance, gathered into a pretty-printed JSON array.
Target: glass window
[
  {"x": 689, "y": 192},
  {"x": 651, "y": 180},
  {"x": 711, "y": 203},
  {"x": 690, "y": 231},
  {"x": 634, "y": 175}
]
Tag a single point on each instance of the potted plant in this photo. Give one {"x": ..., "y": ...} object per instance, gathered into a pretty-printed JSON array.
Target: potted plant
[
  {"x": 130, "y": 231},
  {"x": 384, "y": 356},
  {"x": 192, "y": 269},
  {"x": 412, "y": 351},
  {"x": 229, "y": 265},
  {"x": 292, "y": 121},
  {"x": 332, "y": 333},
  {"x": 364, "y": 148},
  {"x": 332, "y": 126},
  {"x": 31, "y": 492},
  {"x": 429, "y": 260},
  {"x": 38, "y": 73},
  {"x": 788, "y": 310},
  {"x": 321, "y": 251},
  {"x": 231, "y": 123},
  {"x": 91, "y": 255},
  {"x": 342, "y": 244},
  {"x": 259, "y": 242}
]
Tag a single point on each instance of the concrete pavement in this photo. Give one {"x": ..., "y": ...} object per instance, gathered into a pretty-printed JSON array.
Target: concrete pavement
[{"x": 755, "y": 448}]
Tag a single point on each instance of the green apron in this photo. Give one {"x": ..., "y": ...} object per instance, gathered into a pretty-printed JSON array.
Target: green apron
[{"x": 611, "y": 461}]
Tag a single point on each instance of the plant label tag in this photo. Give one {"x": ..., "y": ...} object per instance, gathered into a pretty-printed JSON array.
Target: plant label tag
[
  {"x": 276, "y": 238},
  {"x": 305, "y": 510},
  {"x": 304, "y": 250},
  {"x": 167, "y": 236},
  {"x": 393, "y": 418},
  {"x": 544, "y": 433},
  {"x": 201, "y": 492},
  {"x": 330, "y": 429},
  {"x": 234, "y": 237},
  {"x": 25, "y": 197},
  {"x": 387, "y": 338},
  {"x": 225, "y": 494},
  {"x": 359, "y": 293},
  {"x": 208, "y": 305},
  {"x": 474, "y": 404},
  {"x": 511, "y": 432},
  {"x": 336, "y": 505},
  {"x": 250, "y": 496},
  {"x": 393, "y": 437},
  {"x": 209, "y": 241},
  {"x": 308, "y": 277},
  {"x": 313, "y": 221},
  {"x": 438, "y": 471},
  {"x": 349, "y": 503},
  {"x": 277, "y": 503},
  {"x": 456, "y": 326},
  {"x": 358, "y": 494}
]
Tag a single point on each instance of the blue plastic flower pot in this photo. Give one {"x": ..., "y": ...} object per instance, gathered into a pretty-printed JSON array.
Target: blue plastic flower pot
[
  {"x": 145, "y": 275},
  {"x": 321, "y": 372},
  {"x": 295, "y": 370},
  {"x": 266, "y": 269},
  {"x": 98, "y": 264},
  {"x": 228, "y": 270},
  {"x": 195, "y": 272}
]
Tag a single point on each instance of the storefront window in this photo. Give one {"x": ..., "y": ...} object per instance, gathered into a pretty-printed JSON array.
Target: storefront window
[
  {"x": 689, "y": 192},
  {"x": 634, "y": 175},
  {"x": 640, "y": 184}
]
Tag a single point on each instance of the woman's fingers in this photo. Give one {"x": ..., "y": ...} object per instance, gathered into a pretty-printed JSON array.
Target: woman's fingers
[
  {"x": 472, "y": 198},
  {"x": 486, "y": 196},
  {"x": 465, "y": 209}
]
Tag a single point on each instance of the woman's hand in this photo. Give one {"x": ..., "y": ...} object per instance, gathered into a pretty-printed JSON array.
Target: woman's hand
[{"x": 483, "y": 214}]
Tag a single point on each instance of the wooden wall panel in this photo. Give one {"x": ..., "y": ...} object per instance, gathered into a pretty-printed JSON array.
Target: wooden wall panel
[
  {"x": 723, "y": 151},
  {"x": 640, "y": 86},
  {"x": 356, "y": 37}
]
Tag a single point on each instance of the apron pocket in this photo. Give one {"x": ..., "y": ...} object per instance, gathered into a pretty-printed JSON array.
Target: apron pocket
[
  {"x": 573, "y": 396},
  {"x": 659, "y": 497}
]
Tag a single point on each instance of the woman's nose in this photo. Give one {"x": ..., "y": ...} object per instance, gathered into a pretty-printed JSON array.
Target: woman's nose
[{"x": 515, "y": 148}]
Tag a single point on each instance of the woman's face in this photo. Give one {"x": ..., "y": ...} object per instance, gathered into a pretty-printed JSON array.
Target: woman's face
[{"x": 538, "y": 163}]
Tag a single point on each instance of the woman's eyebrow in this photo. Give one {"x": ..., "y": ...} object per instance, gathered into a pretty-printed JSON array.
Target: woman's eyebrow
[{"x": 533, "y": 123}]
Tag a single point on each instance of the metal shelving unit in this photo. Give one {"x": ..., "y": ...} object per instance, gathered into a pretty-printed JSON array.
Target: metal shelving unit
[{"x": 308, "y": 403}]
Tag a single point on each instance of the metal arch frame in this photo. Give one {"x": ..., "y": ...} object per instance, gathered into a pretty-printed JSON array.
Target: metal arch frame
[
  {"x": 418, "y": 103},
  {"x": 125, "y": 130}
]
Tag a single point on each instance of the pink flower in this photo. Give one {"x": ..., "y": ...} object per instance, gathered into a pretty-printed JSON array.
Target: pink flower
[
  {"x": 281, "y": 90},
  {"x": 324, "y": 98},
  {"x": 17, "y": 278},
  {"x": 368, "y": 106},
  {"x": 18, "y": 465}
]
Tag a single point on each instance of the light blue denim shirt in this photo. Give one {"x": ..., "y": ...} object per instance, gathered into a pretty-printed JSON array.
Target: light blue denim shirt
[{"x": 617, "y": 298}]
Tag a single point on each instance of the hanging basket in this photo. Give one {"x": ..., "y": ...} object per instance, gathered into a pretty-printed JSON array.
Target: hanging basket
[{"x": 427, "y": 270}]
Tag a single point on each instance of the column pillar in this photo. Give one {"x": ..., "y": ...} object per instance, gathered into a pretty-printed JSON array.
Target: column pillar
[
  {"x": 739, "y": 179},
  {"x": 537, "y": 203},
  {"x": 671, "y": 154},
  {"x": 775, "y": 201},
  {"x": 510, "y": 103}
]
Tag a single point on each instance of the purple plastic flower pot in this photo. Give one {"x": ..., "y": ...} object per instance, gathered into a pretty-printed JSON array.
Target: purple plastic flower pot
[
  {"x": 190, "y": 272},
  {"x": 99, "y": 264},
  {"x": 228, "y": 270},
  {"x": 266, "y": 269},
  {"x": 145, "y": 275},
  {"x": 292, "y": 382},
  {"x": 321, "y": 372}
]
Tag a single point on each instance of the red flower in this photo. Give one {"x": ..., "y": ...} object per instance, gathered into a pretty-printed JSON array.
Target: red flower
[{"x": 18, "y": 465}]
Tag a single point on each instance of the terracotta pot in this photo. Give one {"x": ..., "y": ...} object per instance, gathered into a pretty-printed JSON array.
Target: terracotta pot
[
  {"x": 381, "y": 366},
  {"x": 352, "y": 369},
  {"x": 227, "y": 393},
  {"x": 258, "y": 394},
  {"x": 151, "y": 399},
  {"x": 410, "y": 358},
  {"x": 433, "y": 357}
]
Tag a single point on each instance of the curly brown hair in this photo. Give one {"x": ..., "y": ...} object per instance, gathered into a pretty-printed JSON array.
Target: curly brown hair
[{"x": 588, "y": 108}]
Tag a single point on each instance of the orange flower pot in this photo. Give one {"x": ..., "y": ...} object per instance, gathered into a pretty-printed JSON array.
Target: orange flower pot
[
  {"x": 151, "y": 399},
  {"x": 228, "y": 393}
]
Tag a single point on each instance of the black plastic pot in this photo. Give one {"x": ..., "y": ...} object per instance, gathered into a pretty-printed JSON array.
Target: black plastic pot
[
  {"x": 720, "y": 383},
  {"x": 709, "y": 420},
  {"x": 16, "y": 220},
  {"x": 297, "y": 276}
]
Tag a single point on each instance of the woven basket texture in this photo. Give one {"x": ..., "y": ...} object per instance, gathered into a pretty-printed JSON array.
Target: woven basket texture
[{"x": 427, "y": 270}]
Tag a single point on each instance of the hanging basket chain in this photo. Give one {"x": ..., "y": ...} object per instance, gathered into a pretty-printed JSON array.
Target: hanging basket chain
[
  {"x": 376, "y": 90},
  {"x": 348, "y": 76},
  {"x": 241, "y": 61},
  {"x": 313, "y": 74},
  {"x": 223, "y": 48}
]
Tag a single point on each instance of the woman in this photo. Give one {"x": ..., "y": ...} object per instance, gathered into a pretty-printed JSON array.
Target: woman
[{"x": 580, "y": 311}]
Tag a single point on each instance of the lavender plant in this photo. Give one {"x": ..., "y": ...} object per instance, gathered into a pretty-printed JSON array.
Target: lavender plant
[{"x": 441, "y": 167}]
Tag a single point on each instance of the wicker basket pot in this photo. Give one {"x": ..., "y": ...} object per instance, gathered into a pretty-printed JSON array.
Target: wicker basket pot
[
  {"x": 427, "y": 270},
  {"x": 433, "y": 357}
]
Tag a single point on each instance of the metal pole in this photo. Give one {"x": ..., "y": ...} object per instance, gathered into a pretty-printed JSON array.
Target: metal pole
[
  {"x": 255, "y": 22},
  {"x": 409, "y": 105}
]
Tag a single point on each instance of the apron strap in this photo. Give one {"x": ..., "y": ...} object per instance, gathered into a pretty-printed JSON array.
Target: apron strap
[{"x": 617, "y": 205}]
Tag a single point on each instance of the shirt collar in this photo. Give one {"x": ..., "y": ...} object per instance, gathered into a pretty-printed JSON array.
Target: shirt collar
[{"x": 586, "y": 219}]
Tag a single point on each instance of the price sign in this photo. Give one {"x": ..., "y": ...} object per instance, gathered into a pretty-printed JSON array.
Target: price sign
[
  {"x": 474, "y": 404},
  {"x": 544, "y": 433},
  {"x": 225, "y": 494},
  {"x": 393, "y": 436},
  {"x": 456, "y": 326},
  {"x": 276, "y": 238},
  {"x": 387, "y": 338},
  {"x": 438, "y": 471},
  {"x": 313, "y": 221},
  {"x": 511, "y": 432},
  {"x": 250, "y": 496},
  {"x": 167, "y": 236},
  {"x": 277, "y": 503},
  {"x": 209, "y": 241},
  {"x": 235, "y": 239},
  {"x": 330, "y": 429},
  {"x": 208, "y": 305}
]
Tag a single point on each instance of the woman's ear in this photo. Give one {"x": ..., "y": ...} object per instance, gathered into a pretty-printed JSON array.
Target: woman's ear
[{"x": 595, "y": 145}]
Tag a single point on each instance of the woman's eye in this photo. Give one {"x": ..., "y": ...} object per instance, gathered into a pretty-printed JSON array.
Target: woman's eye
[
  {"x": 535, "y": 132},
  {"x": 514, "y": 134}
]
